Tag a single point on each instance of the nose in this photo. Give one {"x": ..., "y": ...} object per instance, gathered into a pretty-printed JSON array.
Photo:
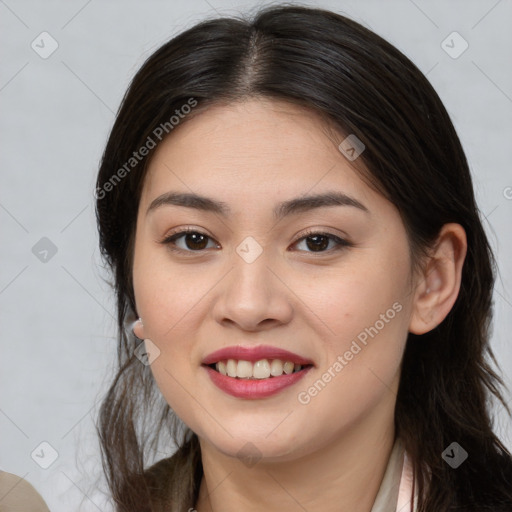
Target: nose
[{"x": 253, "y": 296}]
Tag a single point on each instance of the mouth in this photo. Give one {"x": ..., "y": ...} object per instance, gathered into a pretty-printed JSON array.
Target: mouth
[
  {"x": 257, "y": 370},
  {"x": 256, "y": 380}
]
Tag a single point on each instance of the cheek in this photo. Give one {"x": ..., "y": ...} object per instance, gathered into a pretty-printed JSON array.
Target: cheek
[
  {"x": 361, "y": 360},
  {"x": 167, "y": 306},
  {"x": 363, "y": 315},
  {"x": 168, "y": 299},
  {"x": 364, "y": 292},
  {"x": 166, "y": 294}
]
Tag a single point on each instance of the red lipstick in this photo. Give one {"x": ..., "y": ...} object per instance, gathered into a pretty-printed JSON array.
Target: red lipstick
[
  {"x": 254, "y": 354},
  {"x": 254, "y": 388}
]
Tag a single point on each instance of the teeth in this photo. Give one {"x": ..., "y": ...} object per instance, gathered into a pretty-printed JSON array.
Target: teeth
[
  {"x": 262, "y": 369},
  {"x": 288, "y": 367},
  {"x": 231, "y": 367},
  {"x": 243, "y": 369},
  {"x": 221, "y": 367},
  {"x": 276, "y": 368}
]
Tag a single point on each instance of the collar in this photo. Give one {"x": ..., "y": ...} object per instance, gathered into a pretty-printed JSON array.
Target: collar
[{"x": 397, "y": 490}]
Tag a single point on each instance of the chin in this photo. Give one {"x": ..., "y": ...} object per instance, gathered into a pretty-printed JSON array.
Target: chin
[{"x": 250, "y": 447}]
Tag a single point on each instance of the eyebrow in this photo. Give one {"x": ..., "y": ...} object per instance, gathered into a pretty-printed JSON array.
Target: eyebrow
[{"x": 290, "y": 207}]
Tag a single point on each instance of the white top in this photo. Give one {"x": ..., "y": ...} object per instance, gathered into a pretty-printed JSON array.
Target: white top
[{"x": 396, "y": 489}]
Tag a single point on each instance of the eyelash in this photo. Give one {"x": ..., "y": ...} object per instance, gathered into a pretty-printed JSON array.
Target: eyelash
[{"x": 170, "y": 241}]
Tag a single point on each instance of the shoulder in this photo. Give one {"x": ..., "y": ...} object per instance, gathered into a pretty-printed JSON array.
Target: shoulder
[
  {"x": 160, "y": 472},
  {"x": 19, "y": 495},
  {"x": 159, "y": 478},
  {"x": 174, "y": 480}
]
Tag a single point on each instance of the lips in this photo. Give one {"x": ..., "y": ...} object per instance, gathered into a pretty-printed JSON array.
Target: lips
[
  {"x": 254, "y": 354},
  {"x": 249, "y": 389},
  {"x": 255, "y": 388}
]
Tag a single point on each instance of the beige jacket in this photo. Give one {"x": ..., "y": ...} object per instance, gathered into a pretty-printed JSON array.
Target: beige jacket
[
  {"x": 395, "y": 492},
  {"x": 17, "y": 495}
]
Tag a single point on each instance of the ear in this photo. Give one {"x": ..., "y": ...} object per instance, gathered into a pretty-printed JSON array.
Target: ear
[
  {"x": 138, "y": 329},
  {"x": 439, "y": 286}
]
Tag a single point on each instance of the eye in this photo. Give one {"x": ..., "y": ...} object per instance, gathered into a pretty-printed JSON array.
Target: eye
[
  {"x": 192, "y": 240},
  {"x": 318, "y": 241}
]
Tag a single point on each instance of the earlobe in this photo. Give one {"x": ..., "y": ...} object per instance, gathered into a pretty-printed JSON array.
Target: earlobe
[
  {"x": 138, "y": 328},
  {"x": 439, "y": 287}
]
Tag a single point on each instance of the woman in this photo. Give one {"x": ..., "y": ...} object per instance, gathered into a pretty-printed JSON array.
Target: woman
[{"x": 291, "y": 224}]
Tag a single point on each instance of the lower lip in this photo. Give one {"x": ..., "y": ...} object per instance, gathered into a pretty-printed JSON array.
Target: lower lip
[{"x": 254, "y": 388}]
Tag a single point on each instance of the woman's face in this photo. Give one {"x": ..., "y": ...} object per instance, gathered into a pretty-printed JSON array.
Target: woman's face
[{"x": 250, "y": 277}]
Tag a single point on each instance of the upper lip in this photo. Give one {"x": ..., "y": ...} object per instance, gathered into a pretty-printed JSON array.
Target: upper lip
[{"x": 253, "y": 354}]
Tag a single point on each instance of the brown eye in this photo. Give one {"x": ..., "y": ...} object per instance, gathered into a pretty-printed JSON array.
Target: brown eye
[
  {"x": 319, "y": 242},
  {"x": 191, "y": 240},
  {"x": 187, "y": 241},
  {"x": 196, "y": 241}
]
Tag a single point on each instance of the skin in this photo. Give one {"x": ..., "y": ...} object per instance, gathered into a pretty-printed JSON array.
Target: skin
[{"x": 331, "y": 453}]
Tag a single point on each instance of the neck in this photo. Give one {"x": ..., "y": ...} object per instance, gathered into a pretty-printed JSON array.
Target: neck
[{"x": 344, "y": 476}]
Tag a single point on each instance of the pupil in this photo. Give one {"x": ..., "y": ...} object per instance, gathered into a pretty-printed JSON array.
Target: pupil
[
  {"x": 316, "y": 245},
  {"x": 194, "y": 237},
  {"x": 197, "y": 241}
]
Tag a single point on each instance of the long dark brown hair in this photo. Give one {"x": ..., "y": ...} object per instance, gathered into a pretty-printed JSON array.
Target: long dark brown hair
[{"x": 355, "y": 79}]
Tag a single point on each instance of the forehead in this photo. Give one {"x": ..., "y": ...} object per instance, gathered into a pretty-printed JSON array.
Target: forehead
[{"x": 257, "y": 149}]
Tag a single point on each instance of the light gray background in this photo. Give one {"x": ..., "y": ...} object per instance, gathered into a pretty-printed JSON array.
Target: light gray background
[{"x": 57, "y": 322}]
